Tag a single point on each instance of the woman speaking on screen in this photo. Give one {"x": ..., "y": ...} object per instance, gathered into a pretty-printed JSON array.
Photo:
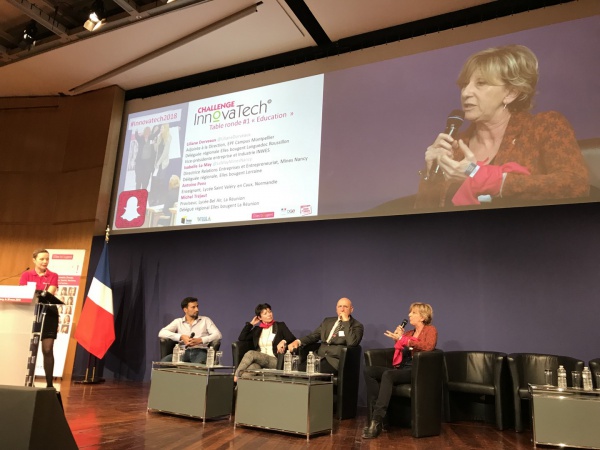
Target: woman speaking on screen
[{"x": 507, "y": 155}]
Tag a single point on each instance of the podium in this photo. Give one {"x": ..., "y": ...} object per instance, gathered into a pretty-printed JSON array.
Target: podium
[{"x": 19, "y": 342}]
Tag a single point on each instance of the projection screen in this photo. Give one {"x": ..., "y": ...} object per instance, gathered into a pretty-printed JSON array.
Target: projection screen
[{"x": 304, "y": 144}]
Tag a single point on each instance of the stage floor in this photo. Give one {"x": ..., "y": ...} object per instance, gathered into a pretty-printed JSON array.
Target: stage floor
[{"x": 113, "y": 415}]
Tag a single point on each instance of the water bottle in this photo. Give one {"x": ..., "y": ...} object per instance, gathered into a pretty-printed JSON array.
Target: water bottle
[
  {"x": 586, "y": 377},
  {"x": 176, "y": 353},
  {"x": 287, "y": 362},
  {"x": 562, "y": 377},
  {"x": 210, "y": 357},
  {"x": 310, "y": 363},
  {"x": 317, "y": 364}
]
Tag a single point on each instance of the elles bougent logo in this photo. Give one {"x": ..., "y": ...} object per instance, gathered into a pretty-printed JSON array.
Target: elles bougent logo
[{"x": 131, "y": 209}]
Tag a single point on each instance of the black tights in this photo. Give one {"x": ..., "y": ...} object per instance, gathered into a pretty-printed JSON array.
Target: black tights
[{"x": 48, "y": 352}]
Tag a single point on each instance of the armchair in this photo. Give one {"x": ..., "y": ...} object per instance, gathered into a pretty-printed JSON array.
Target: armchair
[
  {"x": 421, "y": 400},
  {"x": 528, "y": 368},
  {"x": 345, "y": 383},
  {"x": 166, "y": 347},
  {"x": 477, "y": 387}
]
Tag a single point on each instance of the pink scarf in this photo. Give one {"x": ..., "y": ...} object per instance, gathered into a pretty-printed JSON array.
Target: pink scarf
[
  {"x": 399, "y": 345},
  {"x": 266, "y": 325}
]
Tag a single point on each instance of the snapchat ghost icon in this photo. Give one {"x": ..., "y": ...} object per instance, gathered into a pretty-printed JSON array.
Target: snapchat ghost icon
[{"x": 131, "y": 209}]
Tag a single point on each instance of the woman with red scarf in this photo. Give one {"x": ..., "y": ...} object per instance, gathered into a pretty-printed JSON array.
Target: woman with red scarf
[
  {"x": 381, "y": 380},
  {"x": 269, "y": 338}
]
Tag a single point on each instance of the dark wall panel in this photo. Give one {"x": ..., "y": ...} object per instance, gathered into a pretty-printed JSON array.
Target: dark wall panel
[{"x": 518, "y": 280}]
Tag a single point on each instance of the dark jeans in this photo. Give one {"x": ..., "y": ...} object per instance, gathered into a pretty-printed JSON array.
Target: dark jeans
[
  {"x": 380, "y": 382},
  {"x": 193, "y": 355}
]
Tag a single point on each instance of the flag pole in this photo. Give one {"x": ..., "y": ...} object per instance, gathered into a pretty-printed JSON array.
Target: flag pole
[{"x": 93, "y": 379}]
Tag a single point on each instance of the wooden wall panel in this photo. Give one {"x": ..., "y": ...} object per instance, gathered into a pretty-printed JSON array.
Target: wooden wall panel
[
  {"x": 27, "y": 197},
  {"x": 34, "y": 136},
  {"x": 59, "y": 158},
  {"x": 77, "y": 195},
  {"x": 89, "y": 126},
  {"x": 17, "y": 242}
]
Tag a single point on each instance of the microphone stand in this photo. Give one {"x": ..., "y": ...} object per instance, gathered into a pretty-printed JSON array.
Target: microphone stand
[
  {"x": 39, "y": 315},
  {"x": 43, "y": 300}
]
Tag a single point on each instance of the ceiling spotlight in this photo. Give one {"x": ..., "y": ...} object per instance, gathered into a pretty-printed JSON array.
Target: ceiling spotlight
[
  {"x": 30, "y": 33},
  {"x": 97, "y": 16}
]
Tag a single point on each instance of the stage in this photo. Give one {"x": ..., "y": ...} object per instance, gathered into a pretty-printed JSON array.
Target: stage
[{"x": 113, "y": 415}]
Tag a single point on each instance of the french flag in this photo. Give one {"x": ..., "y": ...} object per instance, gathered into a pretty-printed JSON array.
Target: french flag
[{"x": 96, "y": 327}]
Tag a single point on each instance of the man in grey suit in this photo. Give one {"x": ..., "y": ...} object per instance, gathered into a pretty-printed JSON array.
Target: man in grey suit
[{"x": 334, "y": 334}]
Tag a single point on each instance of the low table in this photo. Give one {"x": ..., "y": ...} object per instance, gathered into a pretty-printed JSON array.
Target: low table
[
  {"x": 565, "y": 417},
  {"x": 293, "y": 402},
  {"x": 191, "y": 389}
]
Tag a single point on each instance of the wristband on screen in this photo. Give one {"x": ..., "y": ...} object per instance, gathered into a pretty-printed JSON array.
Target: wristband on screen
[{"x": 471, "y": 170}]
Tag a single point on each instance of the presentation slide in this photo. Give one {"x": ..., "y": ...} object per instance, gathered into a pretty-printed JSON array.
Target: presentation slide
[
  {"x": 354, "y": 142},
  {"x": 251, "y": 155}
]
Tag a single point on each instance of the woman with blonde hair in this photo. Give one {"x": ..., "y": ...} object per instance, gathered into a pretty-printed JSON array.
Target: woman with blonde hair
[
  {"x": 381, "y": 380},
  {"x": 507, "y": 155}
]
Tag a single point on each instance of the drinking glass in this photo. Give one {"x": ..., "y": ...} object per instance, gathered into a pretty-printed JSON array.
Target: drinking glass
[
  {"x": 548, "y": 377},
  {"x": 598, "y": 381},
  {"x": 218, "y": 357},
  {"x": 576, "y": 379}
]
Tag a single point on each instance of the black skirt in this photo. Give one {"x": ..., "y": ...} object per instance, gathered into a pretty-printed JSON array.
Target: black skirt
[{"x": 50, "y": 328}]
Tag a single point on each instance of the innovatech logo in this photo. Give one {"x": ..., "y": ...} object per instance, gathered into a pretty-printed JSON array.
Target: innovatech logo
[{"x": 228, "y": 111}]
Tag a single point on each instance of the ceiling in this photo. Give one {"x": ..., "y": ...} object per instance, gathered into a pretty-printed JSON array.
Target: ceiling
[{"x": 145, "y": 43}]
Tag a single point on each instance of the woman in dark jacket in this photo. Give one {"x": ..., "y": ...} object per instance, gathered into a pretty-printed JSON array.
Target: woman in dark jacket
[{"x": 268, "y": 337}]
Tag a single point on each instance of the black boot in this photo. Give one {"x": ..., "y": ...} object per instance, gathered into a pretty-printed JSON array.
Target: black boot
[
  {"x": 369, "y": 417},
  {"x": 385, "y": 425},
  {"x": 373, "y": 430}
]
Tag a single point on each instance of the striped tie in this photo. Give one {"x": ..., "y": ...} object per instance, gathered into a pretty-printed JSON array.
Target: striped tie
[{"x": 335, "y": 331}]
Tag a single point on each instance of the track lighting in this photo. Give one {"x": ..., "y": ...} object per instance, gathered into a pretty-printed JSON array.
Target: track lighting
[
  {"x": 97, "y": 16},
  {"x": 30, "y": 33}
]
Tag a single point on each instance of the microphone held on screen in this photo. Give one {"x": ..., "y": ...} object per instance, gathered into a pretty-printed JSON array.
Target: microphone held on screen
[
  {"x": 453, "y": 123},
  {"x": 404, "y": 322}
]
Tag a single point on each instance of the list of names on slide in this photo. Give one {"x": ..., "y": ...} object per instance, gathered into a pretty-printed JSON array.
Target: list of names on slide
[{"x": 250, "y": 157}]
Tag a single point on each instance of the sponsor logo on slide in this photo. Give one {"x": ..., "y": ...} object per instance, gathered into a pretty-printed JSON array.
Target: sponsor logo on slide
[
  {"x": 263, "y": 215},
  {"x": 131, "y": 209},
  {"x": 287, "y": 211},
  {"x": 305, "y": 210}
]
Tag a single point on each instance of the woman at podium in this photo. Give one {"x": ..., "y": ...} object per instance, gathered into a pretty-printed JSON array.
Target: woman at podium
[{"x": 45, "y": 280}]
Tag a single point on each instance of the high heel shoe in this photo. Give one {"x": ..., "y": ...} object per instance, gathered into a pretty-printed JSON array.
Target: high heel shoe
[{"x": 373, "y": 430}]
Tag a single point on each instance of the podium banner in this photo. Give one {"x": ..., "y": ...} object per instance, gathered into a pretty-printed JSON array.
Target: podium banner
[
  {"x": 68, "y": 264},
  {"x": 17, "y": 294}
]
